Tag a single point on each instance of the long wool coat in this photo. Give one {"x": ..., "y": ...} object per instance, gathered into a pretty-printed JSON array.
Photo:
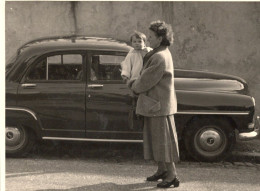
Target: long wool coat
[
  {"x": 155, "y": 86},
  {"x": 157, "y": 102}
]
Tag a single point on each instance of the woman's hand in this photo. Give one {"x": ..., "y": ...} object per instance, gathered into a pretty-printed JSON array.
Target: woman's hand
[
  {"x": 130, "y": 83},
  {"x": 125, "y": 79}
]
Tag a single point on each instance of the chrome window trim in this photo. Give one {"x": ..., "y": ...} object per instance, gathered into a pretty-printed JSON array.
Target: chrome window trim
[
  {"x": 94, "y": 140},
  {"x": 22, "y": 109},
  {"x": 212, "y": 113}
]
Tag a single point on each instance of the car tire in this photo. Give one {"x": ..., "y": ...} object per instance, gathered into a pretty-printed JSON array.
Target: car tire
[
  {"x": 209, "y": 139},
  {"x": 19, "y": 141}
]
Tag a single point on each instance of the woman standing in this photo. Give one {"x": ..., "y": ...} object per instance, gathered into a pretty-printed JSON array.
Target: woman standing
[{"x": 157, "y": 103}]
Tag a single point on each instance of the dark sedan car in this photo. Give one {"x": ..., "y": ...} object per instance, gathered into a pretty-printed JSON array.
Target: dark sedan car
[{"x": 70, "y": 88}]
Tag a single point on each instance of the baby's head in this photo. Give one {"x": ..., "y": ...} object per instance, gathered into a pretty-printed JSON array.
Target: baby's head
[{"x": 138, "y": 40}]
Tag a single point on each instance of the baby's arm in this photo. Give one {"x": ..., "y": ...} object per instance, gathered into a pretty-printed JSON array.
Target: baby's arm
[
  {"x": 126, "y": 67},
  {"x": 125, "y": 78}
]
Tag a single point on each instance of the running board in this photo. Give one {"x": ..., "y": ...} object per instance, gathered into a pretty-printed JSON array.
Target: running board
[{"x": 93, "y": 140}]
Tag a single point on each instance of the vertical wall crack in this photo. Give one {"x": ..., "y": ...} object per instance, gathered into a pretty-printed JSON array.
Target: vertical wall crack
[{"x": 74, "y": 5}]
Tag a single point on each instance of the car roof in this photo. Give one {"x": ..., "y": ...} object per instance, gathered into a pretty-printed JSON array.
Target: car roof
[{"x": 72, "y": 42}]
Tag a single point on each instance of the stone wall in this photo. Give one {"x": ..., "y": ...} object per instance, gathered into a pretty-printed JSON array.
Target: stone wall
[{"x": 212, "y": 36}]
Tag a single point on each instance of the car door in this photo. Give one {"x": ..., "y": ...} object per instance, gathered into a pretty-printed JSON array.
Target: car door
[
  {"x": 53, "y": 88},
  {"x": 108, "y": 99}
]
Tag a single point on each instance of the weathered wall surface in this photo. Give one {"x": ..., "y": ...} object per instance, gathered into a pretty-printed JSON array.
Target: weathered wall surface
[{"x": 213, "y": 36}]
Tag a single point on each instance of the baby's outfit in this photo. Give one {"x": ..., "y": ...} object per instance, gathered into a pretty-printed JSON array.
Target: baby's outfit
[
  {"x": 133, "y": 63},
  {"x": 131, "y": 68}
]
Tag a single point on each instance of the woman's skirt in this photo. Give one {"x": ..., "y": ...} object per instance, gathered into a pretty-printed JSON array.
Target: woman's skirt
[{"x": 160, "y": 139}]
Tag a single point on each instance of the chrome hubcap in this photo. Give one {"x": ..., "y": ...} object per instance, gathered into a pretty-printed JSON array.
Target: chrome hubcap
[
  {"x": 14, "y": 137},
  {"x": 210, "y": 141}
]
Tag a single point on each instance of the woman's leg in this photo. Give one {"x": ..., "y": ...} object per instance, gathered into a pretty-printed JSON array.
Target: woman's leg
[
  {"x": 161, "y": 167},
  {"x": 171, "y": 171},
  {"x": 171, "y": 178},
  {"x": 160, "y": 173}
]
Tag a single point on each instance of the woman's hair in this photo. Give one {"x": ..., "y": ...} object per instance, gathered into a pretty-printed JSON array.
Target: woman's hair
[
  {"x": 138, "y": 35},
  {"x": 160, "y": 28}
]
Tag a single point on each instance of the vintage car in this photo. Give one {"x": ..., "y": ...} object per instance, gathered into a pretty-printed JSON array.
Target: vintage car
[{"x": 70, "y": 88}]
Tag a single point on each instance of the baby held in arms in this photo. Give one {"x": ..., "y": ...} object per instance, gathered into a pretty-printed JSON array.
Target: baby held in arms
[{"x": 133, "y": 63}]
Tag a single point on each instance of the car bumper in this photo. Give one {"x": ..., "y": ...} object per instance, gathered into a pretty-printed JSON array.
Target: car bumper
[{"x": 252, "y": 134}]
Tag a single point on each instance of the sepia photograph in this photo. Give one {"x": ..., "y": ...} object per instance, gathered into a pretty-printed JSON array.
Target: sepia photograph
[{"x": 131, "y": 95}]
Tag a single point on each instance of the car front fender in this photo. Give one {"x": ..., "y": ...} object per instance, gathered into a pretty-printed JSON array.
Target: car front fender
[{"x": 238, "y": 107}]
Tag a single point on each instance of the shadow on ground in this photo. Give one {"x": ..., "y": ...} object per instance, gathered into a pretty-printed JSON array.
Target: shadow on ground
[
  {"x": 110, "y": 186},
  {"x": 91, "y": 150}
]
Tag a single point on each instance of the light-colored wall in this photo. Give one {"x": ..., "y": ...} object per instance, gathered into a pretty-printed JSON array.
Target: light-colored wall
[{"x": 213, "y": 36}]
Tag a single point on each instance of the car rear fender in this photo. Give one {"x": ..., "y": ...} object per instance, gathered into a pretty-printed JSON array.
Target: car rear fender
[{"x": 25, "y": 117}]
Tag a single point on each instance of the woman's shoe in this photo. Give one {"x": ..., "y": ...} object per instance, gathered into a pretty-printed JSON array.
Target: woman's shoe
[
  {"x": 156, "y": 177},
  {"x": 165, "y": 184}
]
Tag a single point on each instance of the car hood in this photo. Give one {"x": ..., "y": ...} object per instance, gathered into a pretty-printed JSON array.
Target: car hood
[{"x": 209, "y": 81}]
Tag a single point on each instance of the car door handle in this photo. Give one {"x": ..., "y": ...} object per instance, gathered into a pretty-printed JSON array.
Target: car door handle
[
  {"x": 95, "y": 85},
  {"x": 28, "y": 85}
]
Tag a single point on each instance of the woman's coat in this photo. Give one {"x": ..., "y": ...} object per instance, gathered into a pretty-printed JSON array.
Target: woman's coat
[{"x": 155, "y": 86}]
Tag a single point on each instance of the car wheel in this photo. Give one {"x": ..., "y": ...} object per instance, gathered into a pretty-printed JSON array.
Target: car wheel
[
  {"x": 18, "y": 141},
  {"x": 209, "y": 139}
]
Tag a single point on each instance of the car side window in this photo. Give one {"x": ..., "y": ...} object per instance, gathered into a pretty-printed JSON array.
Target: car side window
[
  {"x": 106, "y": 67},
  {"x": 57, "y": 67}
]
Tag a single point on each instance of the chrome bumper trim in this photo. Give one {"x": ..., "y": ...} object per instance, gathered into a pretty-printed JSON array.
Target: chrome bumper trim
[
  {"x": 250, "y": 135},
  {"x": 247, "y": 136}
]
